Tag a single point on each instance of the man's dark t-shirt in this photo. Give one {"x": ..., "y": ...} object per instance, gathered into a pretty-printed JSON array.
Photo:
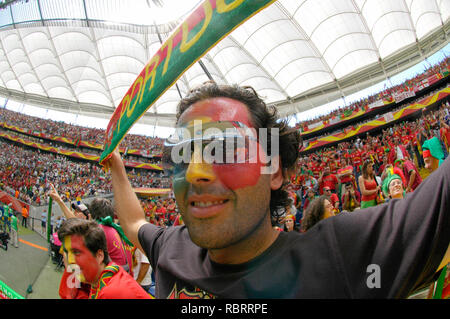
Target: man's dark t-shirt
[{"x": 386, "y": 251}]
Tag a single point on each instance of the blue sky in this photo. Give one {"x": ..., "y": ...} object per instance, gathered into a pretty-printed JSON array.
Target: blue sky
[{"x": 165, "y": 132}]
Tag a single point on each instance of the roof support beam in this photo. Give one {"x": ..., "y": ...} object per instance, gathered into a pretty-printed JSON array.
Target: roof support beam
[
  {"x": 313, "y": 47},
  {"x": 372, "y": 40},
  {"x": 95, "y": 44}
]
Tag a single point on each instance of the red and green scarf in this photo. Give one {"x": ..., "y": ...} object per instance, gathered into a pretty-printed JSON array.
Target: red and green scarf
[{"x": 105, "y": 277}]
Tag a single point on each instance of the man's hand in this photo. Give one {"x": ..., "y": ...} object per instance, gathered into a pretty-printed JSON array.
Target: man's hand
[
  {"x": 114, "y": 160},
  {"x": 54, "y": 194}
]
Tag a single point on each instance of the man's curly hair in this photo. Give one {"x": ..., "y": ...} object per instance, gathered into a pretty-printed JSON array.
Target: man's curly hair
[
  {"x": 314, "y": 213},
  {"x": 262, "y": 116}
]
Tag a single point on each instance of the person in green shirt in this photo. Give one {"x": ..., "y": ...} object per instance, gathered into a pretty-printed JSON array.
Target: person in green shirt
[
  {"x": 14, "y": 230},
  {"x": 6, "y": 218}
]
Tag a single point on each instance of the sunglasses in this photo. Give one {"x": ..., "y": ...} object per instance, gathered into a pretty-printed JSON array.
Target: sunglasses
[{"x": 218, "y": 143}]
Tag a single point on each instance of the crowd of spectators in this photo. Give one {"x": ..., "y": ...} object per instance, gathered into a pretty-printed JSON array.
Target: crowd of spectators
[
  {"x": 307, "y": 141},
  {"x": 324, "y": 171},
  {"x": 72, "y": 148},
  {"x": 337, "y": 172},
  {"x": 27, "y": 174},
  {"x": 410, "y": 84},
  {"x": 151, "y": 145}
]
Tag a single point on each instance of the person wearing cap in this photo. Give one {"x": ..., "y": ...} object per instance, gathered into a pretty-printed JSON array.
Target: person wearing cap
[
  {"x": 433, "y": 155},
  {"x": 411, "y": 173},
  {"x": 81, "y": 210},
  {"x": 393, "y": 185}
]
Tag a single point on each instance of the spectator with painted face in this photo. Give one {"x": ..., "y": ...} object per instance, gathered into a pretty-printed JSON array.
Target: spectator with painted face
[{"x": 85, "y": 249}]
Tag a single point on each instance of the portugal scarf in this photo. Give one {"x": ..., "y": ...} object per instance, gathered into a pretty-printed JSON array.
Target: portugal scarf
[{"x": 105, "y": 277}]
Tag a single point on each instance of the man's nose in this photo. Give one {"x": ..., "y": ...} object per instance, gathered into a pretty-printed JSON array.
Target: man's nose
[{"x": 198, "y": 171}]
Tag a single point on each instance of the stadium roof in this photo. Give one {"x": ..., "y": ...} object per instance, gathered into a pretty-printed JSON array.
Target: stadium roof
[{"x": 81, "y": 56}]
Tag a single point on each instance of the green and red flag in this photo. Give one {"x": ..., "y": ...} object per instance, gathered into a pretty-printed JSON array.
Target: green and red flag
[
  {"x": 49, "y": 219},
  {"x": 210, "y": 22},
  {"x": 348, "y": 112},
  {"x": 7, "y": 293}
]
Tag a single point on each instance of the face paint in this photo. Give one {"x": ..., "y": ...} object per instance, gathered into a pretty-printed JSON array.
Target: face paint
[
  {"x": 217, "y": 109},
  {"x": 233, "y": 176},
  {"x": 248, "y": 173},
  {"x": 221, "y": 204},
  {"x": 77, "y": 253}
]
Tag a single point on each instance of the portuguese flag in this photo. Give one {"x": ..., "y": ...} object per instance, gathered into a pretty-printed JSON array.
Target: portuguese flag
[{"x": 210, "y": 22}]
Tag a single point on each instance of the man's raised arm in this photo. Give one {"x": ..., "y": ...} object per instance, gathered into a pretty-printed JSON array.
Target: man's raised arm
[{"x": 127, "y": 206}]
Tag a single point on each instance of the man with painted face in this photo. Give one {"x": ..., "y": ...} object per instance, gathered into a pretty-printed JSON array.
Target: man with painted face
[
  {"x": 228, "y": 248},
  {"x": 86, "y": 254}
]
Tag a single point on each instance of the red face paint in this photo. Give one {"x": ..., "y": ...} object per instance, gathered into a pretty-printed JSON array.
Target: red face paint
[
  {"x": 78, "y": 253},
  {"x": 217, "y": 109},
  {"x": 233, "y": 176},
  {"x": 236, "y": 176},
  {"x": 222, "y": 204}
]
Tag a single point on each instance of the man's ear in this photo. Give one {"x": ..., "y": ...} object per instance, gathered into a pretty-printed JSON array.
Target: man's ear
[
  {"x": 276, "y": 177},
  {"x": 100, "y": 256}
]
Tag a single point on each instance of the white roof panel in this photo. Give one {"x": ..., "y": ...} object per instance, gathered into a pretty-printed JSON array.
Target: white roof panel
[{"x": 88, "y": 53}]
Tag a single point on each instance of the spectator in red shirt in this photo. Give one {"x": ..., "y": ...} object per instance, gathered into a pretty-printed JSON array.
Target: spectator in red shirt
[
  {"x": 445, "y": 135},
  {"x": 407, "y": 143},
  {"x": 160, "y": 211},
  {"x": 84, "y": 246},
  {"x": 329, "y": 180},
  {"x": 355, "y": 156},
  {"x": 345, "y": 174}
]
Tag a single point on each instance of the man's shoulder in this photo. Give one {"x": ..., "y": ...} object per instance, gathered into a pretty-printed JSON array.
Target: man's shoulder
[
  {"x": 123, "y": 286},
  {"x": 151, "y": 232},
  {"x": 110, "y": 232}
]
